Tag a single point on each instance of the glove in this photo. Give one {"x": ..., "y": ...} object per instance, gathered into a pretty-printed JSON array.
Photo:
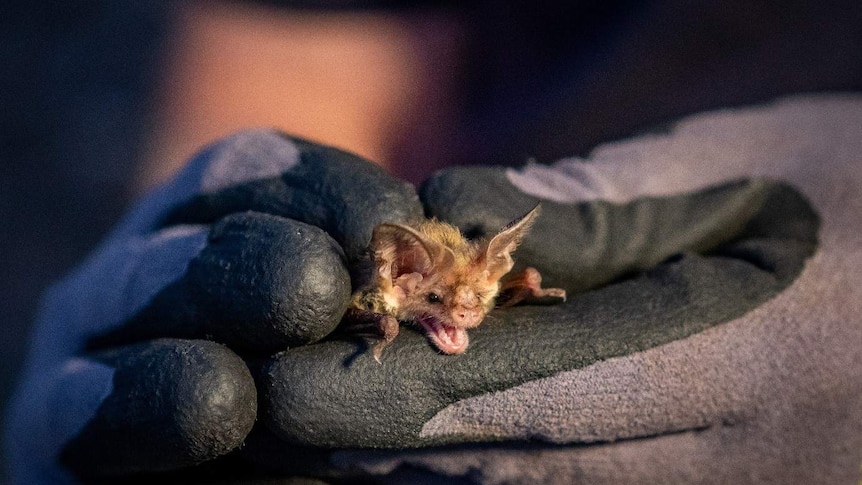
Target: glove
[{"x": 135, "y": 364}]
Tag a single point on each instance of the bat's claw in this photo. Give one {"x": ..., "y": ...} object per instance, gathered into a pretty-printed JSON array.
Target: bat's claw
[
  {"x": 389, "y": 328},
  {"x": 363, "y": 323},
  {"x": 377, "y": 350}
]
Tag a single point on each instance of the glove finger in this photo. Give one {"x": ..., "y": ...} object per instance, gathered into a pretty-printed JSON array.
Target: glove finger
[
  {"x": 582, "y": 245},
  {"x": 261, "y": 284},
  {"x": 340, "y": 192},
  {"x": 174, "y": 403},
  {"x": 156, "y": 406},
  {"x": 135, "y": 263}
]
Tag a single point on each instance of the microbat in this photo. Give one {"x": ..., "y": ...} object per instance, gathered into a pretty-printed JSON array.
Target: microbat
[{"x": 431, "y": 275}]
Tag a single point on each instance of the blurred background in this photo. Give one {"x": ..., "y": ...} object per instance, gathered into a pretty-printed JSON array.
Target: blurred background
[{"x": 100, "y": 101}]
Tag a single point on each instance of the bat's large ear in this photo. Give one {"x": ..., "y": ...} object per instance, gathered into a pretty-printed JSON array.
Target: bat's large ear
[
  {"x": 401, "y": 250},
  {"x": 498, "y": 253}
]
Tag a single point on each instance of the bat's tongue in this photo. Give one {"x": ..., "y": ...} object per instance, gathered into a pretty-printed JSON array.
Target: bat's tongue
[{"x": 449, "y": 339}]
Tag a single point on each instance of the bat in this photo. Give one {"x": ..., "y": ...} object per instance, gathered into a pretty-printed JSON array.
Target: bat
[{"x": 431, "y": 276}]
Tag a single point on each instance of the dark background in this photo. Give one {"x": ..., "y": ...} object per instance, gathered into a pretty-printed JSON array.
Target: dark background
[{"x": 541, "y": 80}]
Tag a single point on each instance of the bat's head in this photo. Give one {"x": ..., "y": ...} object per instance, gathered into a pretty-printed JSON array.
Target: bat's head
[{"x": 433, "y": 276}]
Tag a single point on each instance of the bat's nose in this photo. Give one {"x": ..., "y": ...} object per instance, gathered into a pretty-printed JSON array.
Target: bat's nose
[{"x": 467, "y": 317}]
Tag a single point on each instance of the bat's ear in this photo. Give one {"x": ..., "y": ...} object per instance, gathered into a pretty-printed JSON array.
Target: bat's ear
[
  {"x": 498, "y": 253},
  {"x": 401, "y": 250}
]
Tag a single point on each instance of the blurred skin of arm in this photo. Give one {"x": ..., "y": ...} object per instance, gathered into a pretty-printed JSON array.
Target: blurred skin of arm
[{"x": 361, "y": 80}]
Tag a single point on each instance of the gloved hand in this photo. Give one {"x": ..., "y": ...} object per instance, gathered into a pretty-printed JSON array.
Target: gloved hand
[
  {"x": 135, "y": 361},
  {"x": 141, "y": 358}
]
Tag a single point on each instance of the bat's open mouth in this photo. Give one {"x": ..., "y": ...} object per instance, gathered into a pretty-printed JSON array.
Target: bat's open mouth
[{"x": 449, "y": 339}]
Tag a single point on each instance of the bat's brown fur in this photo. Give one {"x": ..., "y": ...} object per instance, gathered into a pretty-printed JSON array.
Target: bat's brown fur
[{"x": 431, "y": 275}]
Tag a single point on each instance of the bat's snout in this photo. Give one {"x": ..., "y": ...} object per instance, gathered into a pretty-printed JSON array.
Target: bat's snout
[{"x": 467, "y": 318}]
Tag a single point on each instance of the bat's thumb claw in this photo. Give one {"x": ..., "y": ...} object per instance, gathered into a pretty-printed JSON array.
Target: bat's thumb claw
[{"x": 377, "y": 351}]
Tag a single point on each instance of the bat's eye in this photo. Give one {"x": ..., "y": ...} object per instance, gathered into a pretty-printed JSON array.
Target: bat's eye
[{"x": 434, "y": 298}]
